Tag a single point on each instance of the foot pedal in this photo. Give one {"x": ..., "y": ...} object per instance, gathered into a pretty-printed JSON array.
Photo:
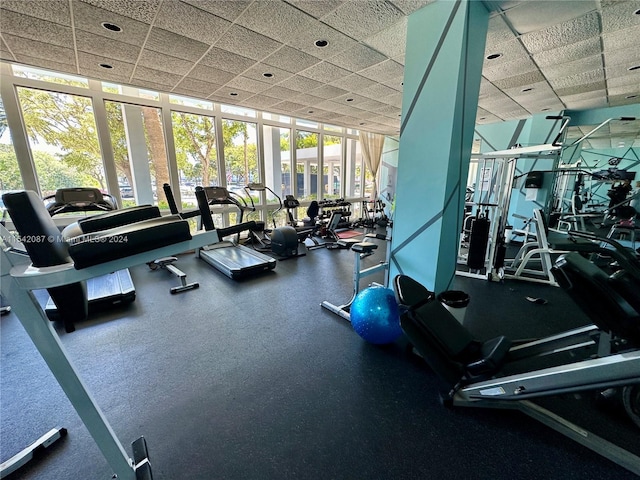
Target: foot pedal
[{"x": 142, "y": 467}]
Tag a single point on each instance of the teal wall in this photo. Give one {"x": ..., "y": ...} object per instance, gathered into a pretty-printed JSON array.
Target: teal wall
[{"x": 443, "y": 68}]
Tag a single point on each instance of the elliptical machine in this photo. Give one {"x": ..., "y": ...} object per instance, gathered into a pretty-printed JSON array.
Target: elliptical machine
[{"x": 281, "y": 241}]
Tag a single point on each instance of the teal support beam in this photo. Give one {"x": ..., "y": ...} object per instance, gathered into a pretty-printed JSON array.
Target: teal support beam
[{"x": 443, "y": 69}]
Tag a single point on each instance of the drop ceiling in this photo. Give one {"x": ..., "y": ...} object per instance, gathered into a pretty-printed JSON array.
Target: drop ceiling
[{"x": 554, "y": 55}]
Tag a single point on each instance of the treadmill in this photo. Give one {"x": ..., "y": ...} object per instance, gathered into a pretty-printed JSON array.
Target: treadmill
[
  {"x": 114, "y": 288},
  {"x": 234, "y": 260}
]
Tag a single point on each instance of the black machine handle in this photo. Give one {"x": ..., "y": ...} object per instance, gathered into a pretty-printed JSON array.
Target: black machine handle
[
  {"x": 205, "y": 213},
  {"x": 172, "y": 201}
]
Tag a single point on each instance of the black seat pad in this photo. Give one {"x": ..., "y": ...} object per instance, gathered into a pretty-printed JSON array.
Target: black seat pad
[{"x": 104, "y": 246}]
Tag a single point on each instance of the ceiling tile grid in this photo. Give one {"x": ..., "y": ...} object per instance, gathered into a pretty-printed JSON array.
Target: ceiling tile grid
[{"x": 572, "y": 54}]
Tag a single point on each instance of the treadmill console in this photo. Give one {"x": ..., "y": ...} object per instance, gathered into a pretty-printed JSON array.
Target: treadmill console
[{"x": 217, "y": 194}]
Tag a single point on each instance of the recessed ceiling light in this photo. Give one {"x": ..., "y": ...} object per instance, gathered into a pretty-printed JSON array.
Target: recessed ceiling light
[
  {"x": 233, "y": 94},
  {"x": 482, "y": 118},
  {"x": 321, "y": 43},
  {"x": 528, "y": 89},
  {"x": 493, "y": 56},
  {"x": 545, "y": 109},
  {"x": 637, "y": 12},
  {"x": 362, "y": 123},
  {"x": 105, "y": 65},
  {"x": 631, "y": 96},
  {"x": 349, "y": 99},
  {"x": 635, "y": 67},
  {"x": 267, "y": 74},
  {"x": 111, "y": 26},
  {"x": 309, "y": 111}
]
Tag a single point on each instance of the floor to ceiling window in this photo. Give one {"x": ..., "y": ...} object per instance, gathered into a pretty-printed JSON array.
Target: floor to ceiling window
[
  {"x": 195, "y": 147},
  {"x": 332, "y": 166},
  {"x": 139, "y": 152},
  {"x": 151, "y": 138},
  {"x": 63, "y": 140},
  {"x": 10, "y": 178},
  {"x": 306, "y": 180}
]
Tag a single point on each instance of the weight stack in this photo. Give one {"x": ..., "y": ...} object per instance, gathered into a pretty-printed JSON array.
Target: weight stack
[{"x": 478, "y": 240}]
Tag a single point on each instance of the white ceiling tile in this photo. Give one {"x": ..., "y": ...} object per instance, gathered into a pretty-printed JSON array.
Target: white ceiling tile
[
  {"x": 164, "y": 41},
  {"x": 35, "y": 29},
  {"x": 354, "y": 102},
  {"x": 363, "y": 18},
  {"x": 87, "y": 42},
  {"x": 572, "y": 68},
  {"x": 325, "y": 72},
  {"x": 353, "y": 83},
  {"x": 280, "y": 92},
  {"x": 290, "y": 59},
  {"x": 316, "y": 8},
  {"x": 394, "y": 99},
  {"x": 288, "y": 106},
  {"x": 620, "y": 16},
  {"x": 392, "y": 41},
  {"x": 247, "y": 85},
  {"x": 224, "y": 94},
  {"x": 225, "y": 60},
  {"x": 192, "y": 22},
  {"x": 385, "y": 70},
  {"x": 34, "y": 49},
  {"x": 618, "y": 100},
  {"x": 584, "y": 78},
  {"x": 306, "y": 99},
  {"x": 55, "y": 11},
  {"x": 143, "y": 11},
  {"x": 410, "y": 6},
  {"x": 194, "y": 85},
  {"x": 519, "y": 81},
  {"x": 47, "y": 64},
  {"x": 498, "y": 32},
  {"x": 261, "y": 101},
  {"x": 210, "y": 74},
  {"x": 258, "y": 70},
  {"x": 299, "y": 83},
  {"x": 623, "y": 57},
  {"x": 337, "y": 42},
  {"x": 623, "y": 90},
  {"x": 569, "y": 53},
  {"x": 249, "y": 44},
  {"x": 148, "y": 74},
  {"x": 580, "y": 88},
  {"x": 495, "y": 72},
  {"x": 377, "y": 91},
  {"x": 621, "y": 40},
  {"x": 89, "y": 18},
  {"x": 88, "y": 62},
  {"x": 167, "y": 63},
  {"x": 565, "y": 33},
  {"x": 357, "y": 58},
  {"x": 579, "y": 101},
  {"x": 277, "y": 20},
  {"x": 630, "y": 80},
  {"x": 328, "y": 91},
  {"x": 534, "y": 16},
  {"x": 509, "y": 51},
  {"x": 227, "y": 9}
]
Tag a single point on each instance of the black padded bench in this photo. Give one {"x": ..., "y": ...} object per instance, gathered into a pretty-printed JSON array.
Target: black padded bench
[{"x": 47, "y": 247}]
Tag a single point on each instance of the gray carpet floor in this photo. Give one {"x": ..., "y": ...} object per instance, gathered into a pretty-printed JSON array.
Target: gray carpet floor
[{"x": 253, "y": 380}]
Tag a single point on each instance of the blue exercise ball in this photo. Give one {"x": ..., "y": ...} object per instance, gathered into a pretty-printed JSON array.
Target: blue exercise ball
[{"x": 375, "y": 315}]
